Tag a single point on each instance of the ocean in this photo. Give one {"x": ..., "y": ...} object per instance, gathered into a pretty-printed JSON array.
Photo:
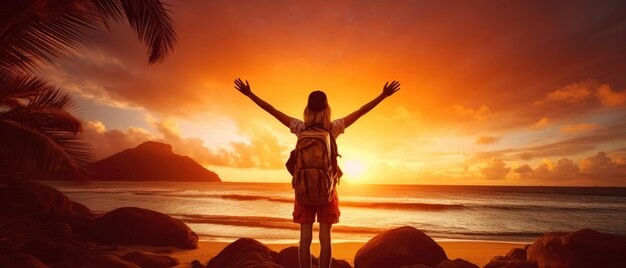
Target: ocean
[{"x": 227, "y": 211}]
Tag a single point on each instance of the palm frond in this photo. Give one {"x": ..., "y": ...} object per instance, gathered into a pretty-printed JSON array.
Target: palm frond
[
  {"x": 149, "y": 18},
  {"x": 19, "y": 88},
  {"x": 30, "y": 36},
  {"x": 59, "y": 154},
  {"x": 38, "y": 134}
]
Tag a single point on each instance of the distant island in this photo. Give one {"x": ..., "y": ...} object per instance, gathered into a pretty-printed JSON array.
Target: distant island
[{"x": 151, "y": 161}]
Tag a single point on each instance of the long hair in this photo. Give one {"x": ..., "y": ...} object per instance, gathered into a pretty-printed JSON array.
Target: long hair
[{"x": 322, "y": 117}]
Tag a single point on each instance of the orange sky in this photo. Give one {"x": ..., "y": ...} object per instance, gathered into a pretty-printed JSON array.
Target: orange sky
[{"x": 492, "y": 93}]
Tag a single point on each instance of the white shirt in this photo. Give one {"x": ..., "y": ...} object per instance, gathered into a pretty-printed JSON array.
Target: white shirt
[{"x": 337, "y": 126}]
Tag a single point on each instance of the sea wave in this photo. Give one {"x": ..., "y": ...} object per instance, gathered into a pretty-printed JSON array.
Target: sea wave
[
  {"x": 343, "y": 203},
  {"x": 411, "y": 206},
  {"x": 287, "y": 224},
  {"x": 265, "y": 222}
]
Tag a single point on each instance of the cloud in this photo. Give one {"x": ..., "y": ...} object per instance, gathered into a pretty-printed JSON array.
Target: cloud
[
  {"x": 592, "y": 139},
  {"x": 569, "y": 129},
  {"x": 599, "y": 167},
  {"x": 263, "y": 151},
  {"x": 602, "y": 166},
  {"x": 547, "y": 170},
  {"x": 611, "y": 98},
  {"x": 495, "y": 169},
  {"x": 487, "y": 140},
  {"x": 107, "y": 142},
  {"x": 479, "y": 114},
  {"x": 542, "y": 123},
  {"x": 574, "y": 93}
]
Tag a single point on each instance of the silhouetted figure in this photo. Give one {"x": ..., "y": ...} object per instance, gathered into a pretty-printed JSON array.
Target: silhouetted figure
[{"x": 316, "y": 114}]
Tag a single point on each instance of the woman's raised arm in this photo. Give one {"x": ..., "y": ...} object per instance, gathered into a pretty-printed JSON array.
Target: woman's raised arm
[
  {"x": 245, "y": 89},
  {"x": 388, "y": 90}
]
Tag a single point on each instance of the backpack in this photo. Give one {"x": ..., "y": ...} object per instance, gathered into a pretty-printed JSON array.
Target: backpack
[{"x": 313, "y": 166}]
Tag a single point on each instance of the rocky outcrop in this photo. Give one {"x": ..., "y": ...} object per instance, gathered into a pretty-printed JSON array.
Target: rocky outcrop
[
  {"x": 41, "y": 227},
  {"x": 138, "y": 226},
  {"x": 249, "y": 253},
  {"x": 399, "y": 247},
  {"x": 288, "y": 258},
  {"x": 147, "y": 260},
  {"x": 151, "y": 161},
  {"x": 516, "y": 258},
  {"x": 583, "y": 248},
  {"x": 21, "y": 260},
  {"x": 245, "y": 253}
]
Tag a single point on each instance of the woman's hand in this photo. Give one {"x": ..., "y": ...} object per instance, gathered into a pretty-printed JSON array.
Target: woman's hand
[
  {"x": 243, "y": 88},
  {"x": 389, "y": 89}
]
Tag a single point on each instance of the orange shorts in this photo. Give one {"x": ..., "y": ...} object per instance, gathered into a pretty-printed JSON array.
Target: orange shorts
[{"x": 325, "y": 214}]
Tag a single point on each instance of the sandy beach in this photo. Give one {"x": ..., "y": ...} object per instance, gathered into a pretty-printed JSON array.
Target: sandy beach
[{"x": 478, "y": 253}]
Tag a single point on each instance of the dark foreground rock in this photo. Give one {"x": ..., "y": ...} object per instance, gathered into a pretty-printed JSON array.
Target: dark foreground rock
[
  {"x": 41, "y": 227},
  {"x": 245, "y": 253},
  {"x": 249, "y": 253},
  {"x": 21, "y": 260},
  {"x": 288, "y": 258},
  {"x": 138, "y": 226},
  {"x": 583, "y": 248},
  {"x": 516, "y": 258},
  {"x": 399, "y": 247},
  {"x": 147, "y": 260}
]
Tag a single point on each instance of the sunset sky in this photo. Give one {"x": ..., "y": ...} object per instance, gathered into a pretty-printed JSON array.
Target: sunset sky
[{"x": 496, "y": 93}]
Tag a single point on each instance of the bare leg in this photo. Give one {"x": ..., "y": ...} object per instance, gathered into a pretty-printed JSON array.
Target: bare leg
[
  {"x": 325, "y": 245},
  {"x": 304, "y": 251}
]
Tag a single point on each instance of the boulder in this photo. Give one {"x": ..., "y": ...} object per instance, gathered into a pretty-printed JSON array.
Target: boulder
[
  {"x": 146, "y": 260},
  {"x": 245, "y": 253},
  {"x": 288, "y": 257},
  {"x": 34, "y": 200},
  {"x": 457, "y": 263},
  {"x": 21, "y": 260},
  {"x": 516, "y": 254},
  {"x": 399, "y": 247},
  {"x": 103, "y": 261},
  {"x": 196, "y": 264},
  {"x": 54, "y": 242},
  {"x": 334, "y": 263},
  {"x": 138, "y": 226},
  {"x": 583, "y": 248},
  {"x": 515, "y": 258}
]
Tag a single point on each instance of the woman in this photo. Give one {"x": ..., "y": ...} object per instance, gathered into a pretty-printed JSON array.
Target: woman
[{"x": 316, "y": 112}]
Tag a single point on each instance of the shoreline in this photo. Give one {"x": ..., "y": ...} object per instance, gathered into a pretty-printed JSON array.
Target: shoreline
[{"x": 477, "y": 252}]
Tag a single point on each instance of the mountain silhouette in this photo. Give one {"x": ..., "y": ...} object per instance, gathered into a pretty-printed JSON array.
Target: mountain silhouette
[{"x": 151, "y": 161}]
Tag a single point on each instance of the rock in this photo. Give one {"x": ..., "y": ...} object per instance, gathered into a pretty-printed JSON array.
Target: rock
[
  {"x": 516, "y": 258},
  {"x": 103, "y": 261},
  {"x": 21, "y": 260},
  {"x": 288, "y": 257},
  {"x": 334, "y": 263},
  {"x": 399, "y": 247},
  {"x": 516, "y": 253},
  {"x": 138, "y": 226},
  {"x": 79, "y": 209},
  {"x": 151, "y": 161},
  {"x": 457, "y": 263},
  {"x": 583, "y": 248},
  {"x": 34, "y": 200},
  {"x": 51, "y": 249},
  {"x": 196, "y": 264},
  {"x": 245, "y": 253},
  {"x": 416, "y": 266},
  {"x": 146, "y": 260}
]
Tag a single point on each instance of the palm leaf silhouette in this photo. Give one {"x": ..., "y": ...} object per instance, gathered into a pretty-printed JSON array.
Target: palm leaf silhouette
[{"x": 37, "y": 130}]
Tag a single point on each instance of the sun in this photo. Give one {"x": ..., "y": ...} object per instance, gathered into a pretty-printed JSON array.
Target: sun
[{"x": 353, "y": 168}]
